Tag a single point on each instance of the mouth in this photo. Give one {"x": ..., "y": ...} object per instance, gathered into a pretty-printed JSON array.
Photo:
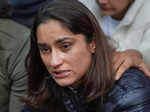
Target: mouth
[
  {"x": 104, "y": 8},
  {"x": 61, "y": 73}
]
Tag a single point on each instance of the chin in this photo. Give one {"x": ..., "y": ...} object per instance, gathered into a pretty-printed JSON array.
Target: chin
[
  {"x": 63, "y": 83},
  {"x": 107, "y": 13}
]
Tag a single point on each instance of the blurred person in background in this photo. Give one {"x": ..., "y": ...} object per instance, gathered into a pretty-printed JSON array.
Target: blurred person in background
[
  {"x": 24, "y": 10},
  {"x": 127, "y": 22},
  {"x": 14, "y": 46}
]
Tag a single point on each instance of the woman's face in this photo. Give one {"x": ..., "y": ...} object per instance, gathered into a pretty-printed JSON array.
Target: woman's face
[
  {"x": 114, "y": 8},
  {"x": 67, "y": 56}
]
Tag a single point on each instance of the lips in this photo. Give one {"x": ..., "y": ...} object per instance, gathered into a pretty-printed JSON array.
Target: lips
[
  {"x": 61, "y": 73},
  {"x": 104, "y": 8}
]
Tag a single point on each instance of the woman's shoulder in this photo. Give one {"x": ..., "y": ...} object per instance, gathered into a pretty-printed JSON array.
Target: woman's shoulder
[
  {"x": 132, "y": 79},
  {"x": 131, "y": 90}
]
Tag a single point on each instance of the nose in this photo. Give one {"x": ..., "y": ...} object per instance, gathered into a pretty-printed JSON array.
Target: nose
[
  {"x": 103, "y": 1},
  {"x": 56, "y": 60}
]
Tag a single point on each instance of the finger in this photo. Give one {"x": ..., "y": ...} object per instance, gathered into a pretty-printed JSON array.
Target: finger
[
  {"x": 123, "y": 67},
  {"x": 117, "y": 64},
  {"x": 143, "y": 67},
  {"x": 117, "y": 60}
]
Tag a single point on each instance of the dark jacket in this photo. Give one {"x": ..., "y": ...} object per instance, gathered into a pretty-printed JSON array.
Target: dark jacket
[
  {"x": 130, "y": 94},
  {"x": 25, "y": 10}
]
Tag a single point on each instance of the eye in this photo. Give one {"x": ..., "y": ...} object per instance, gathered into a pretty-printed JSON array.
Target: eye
[
  {"x": 66, "y": 46},
  {"x": 44, "y": 50}
]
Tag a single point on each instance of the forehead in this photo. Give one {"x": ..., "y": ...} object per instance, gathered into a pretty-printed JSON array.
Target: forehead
[
  {"x": 53, "y": 25},
  {"x": 52, "y": 28},
  {"x": 54, "y": 32}
]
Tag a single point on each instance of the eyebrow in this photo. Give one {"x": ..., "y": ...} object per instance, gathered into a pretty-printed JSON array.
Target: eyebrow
[
  {"x": 42, "y": 45},
  {"x": 63, "y": 39},
  {"x": 57, "y": 41}
]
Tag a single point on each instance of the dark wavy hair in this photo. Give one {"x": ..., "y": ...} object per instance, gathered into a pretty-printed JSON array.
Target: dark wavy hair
[{"x": 78, "y": 19}]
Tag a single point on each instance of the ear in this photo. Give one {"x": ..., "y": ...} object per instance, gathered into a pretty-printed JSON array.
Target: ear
[{"x": 92, "y": 47}]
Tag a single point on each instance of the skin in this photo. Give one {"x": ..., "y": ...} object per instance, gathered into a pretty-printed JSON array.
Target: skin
[
  {"x": 114, "y": 8},
  {"x": 129, "y": 58},
  {"x": 67, "y": 56}
]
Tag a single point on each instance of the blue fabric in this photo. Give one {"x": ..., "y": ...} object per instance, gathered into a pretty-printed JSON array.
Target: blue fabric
[
  {"x": 130, "y": 94},
  {"x": 24, "y": 10}
]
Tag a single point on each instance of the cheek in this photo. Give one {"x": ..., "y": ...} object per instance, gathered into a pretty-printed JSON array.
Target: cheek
[
  {"x": 45, "y": 60},
  {"x": 81, "y": 62},
  {"x": 122, "y": 6}
]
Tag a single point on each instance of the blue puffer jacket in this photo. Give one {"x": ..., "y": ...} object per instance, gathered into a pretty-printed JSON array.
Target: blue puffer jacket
[{"x": 130, "y": 94}]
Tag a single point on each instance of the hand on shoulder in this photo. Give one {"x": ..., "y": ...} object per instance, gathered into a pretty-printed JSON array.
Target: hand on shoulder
[{"x": 130, "y": 58}]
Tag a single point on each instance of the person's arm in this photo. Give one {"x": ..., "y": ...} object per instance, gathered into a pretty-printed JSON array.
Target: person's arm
[
  {"x": 18, "y": 75},
  {"x": 130, "y": 58},
  {"x": 144, "y": 47}
]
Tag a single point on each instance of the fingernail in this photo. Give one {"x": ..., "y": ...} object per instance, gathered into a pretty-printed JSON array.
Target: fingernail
[{"x": 117, "y": 78}]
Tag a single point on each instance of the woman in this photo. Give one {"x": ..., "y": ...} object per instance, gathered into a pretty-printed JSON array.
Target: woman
[{"x": 70, "y": 66}]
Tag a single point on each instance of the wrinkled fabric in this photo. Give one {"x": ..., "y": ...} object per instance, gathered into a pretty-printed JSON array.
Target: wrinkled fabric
[
  {"x": 14, "y": 47},
  {"x": 130, "y": 94}
]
